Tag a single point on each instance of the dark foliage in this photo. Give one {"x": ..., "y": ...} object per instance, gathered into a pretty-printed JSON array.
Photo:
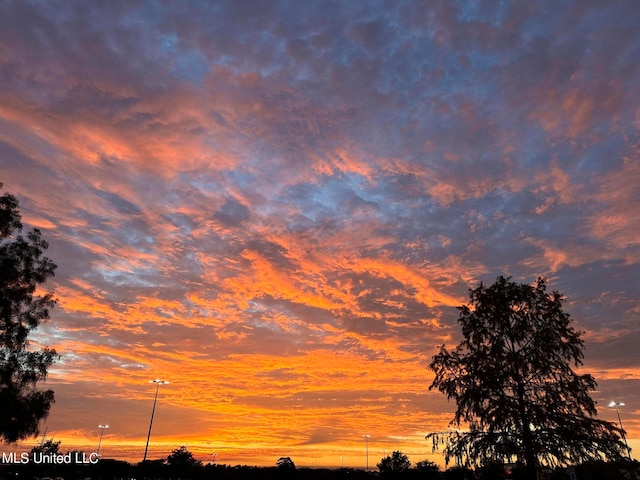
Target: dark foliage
[
  {"x": 458, "y": 473},
  {"x": 494, "y": 471},
  {"x": 108, "y": 469},
  {"x": 394, "y": 464},
  {"x": 182, "y": 461},
  {"x": 23, "y": 269},
  {"x": 427, "y": 470},
  {"x": 514, "y": 385},
  {"x": 47, "y": 447},
  {"x": 285, "y": 463}
]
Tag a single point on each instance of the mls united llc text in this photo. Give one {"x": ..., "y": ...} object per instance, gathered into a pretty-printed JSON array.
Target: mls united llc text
[{"x": 49, "y": 458}]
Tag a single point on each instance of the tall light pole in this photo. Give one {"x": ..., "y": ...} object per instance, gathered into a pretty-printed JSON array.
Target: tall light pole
[
  {"x": 153, "y": 411},
  {"x": 101, "y": 427},
  {"x": 616, "y": 405},
  {"x": 366, "y": 448}
]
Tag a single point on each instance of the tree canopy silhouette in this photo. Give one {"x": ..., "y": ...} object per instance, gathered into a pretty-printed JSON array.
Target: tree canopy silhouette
[
  {"x": 285, "y": 463},
  {"x": 393, "y": 464},
  {"x": 514, "y": 385},
  {"x": 23, "y": 269},
  {"x": 181, "y": 459}
]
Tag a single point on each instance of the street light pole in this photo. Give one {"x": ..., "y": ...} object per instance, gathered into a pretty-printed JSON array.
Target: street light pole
[
  {"x": 366, "y": 447},
  {"x": 615, "y": 405},
  {"x": 101, "y": 427},
  {"x": 153, "y": 410}
]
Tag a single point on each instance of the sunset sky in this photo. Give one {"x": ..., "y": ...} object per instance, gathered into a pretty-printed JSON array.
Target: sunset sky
[{"x": 277, "y": 205}]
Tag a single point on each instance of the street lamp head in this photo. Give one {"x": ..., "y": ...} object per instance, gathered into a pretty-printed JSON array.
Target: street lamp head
[
  {"x": 616, "y": 404},
  {"x": 159, "y": 382},
  {"x": 103, "y": 426}
]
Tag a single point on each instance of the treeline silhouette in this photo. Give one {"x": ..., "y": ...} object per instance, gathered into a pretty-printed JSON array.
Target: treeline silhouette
[{"x": 108, "y": 469}]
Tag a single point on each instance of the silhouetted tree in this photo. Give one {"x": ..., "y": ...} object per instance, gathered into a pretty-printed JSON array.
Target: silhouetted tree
[
  {"x": 47, "y": 447},
  {"x": 458, "y": 473},
  {"x": 428, "y": 470},
  {"x": 285, "y": 463},
  {"x": 23, "y": 269},
  {"x": 491, "y": 471},
  {"x": 513, "y": 383},
  {"x": 395, "y": 463},
  {"x": 182, "y": 460}
]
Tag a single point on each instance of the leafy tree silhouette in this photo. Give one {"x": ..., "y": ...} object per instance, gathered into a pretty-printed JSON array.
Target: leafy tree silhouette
[
  {"x": 285, "y": 463},
  {"x": 428, "y": 470},
  {"x": 286, "y": 468},
  {"x": 47, "y": 447},
  {"x": 394, "y": 464},
  {"x": 182, "y": 462},
  {"x": 514, "y": 385},
  {"x": 23, "y": 269}
]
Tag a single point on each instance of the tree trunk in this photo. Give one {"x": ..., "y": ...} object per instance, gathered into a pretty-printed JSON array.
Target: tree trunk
[
  {"x": 527, "y": 438},
  {"x": 532, "y": 471}
]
